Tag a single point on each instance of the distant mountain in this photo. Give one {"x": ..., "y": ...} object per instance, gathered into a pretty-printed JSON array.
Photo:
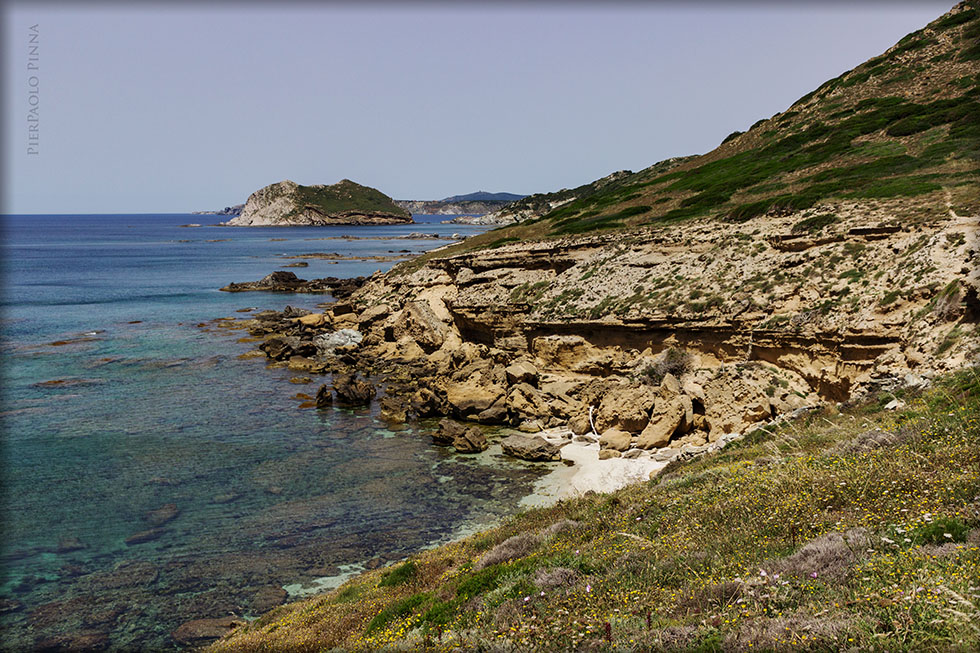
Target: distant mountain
[
  {"x": 484, "y": 196},
  {"x": 346, "y": 202}
]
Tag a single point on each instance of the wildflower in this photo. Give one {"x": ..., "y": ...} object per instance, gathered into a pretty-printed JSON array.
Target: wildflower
[{"x": 588, "y": 588}]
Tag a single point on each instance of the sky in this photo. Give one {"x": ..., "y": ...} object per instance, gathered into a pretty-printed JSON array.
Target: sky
[{"x": 176, "y": 107}]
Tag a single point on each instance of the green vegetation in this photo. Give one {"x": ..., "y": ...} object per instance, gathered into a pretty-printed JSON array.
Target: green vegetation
[
  {"x": 854, "y": 530},
  {"x": 399, "y": 575}
]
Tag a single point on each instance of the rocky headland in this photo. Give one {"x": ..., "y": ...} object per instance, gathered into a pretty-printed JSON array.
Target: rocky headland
[{"x": 287, "y": 203}]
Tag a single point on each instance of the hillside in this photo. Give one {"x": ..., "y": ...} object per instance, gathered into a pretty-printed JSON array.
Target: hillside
[
  {"x": 346, "y": 202},
  {"x": 857, "y": 530},
  {"x": 455, "y": 207},
  {"x": 484, "y": 196},
  {"x": 785, "y": 325}
]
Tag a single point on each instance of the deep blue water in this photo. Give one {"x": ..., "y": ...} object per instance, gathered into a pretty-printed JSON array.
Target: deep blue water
[{"x": 151, "y": 405}]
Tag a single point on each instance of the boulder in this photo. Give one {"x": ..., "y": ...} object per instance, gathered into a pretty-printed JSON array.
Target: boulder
[
  {"x": 625, "y": 408},
  {"x": 353, "y": 391},
  {"x": 525, "y": 402},
  {"x": 666, "y": 420},
  {"x": 606, "y": 454},
  {"x": 474, "y": 395},
  {"x": 530, "y": 426},
  {"x": 521, "y": 372},
  {"x": 579, "y": 425},
  {"x": 280, "y": 347},
  {"x": 427, "y": 403},
  {"x": 419, "y": 322},
  {"x": 471, "y": 440},
  {"x": 394, "y": 409},
  {"x": 530, "y": 448},
  {"x": 447, "y": 431},
  {"x": 615, "y": 439}
]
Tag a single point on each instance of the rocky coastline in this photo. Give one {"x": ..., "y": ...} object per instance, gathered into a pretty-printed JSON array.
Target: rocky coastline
[{"x": 507, "y": 337}]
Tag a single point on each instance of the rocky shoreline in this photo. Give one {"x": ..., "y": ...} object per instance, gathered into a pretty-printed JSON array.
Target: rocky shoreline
[{"x": 505, "y": 337}]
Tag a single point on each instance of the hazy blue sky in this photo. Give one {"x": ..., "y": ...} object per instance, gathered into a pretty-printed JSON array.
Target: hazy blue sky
[{"x": 172, "y": 107}]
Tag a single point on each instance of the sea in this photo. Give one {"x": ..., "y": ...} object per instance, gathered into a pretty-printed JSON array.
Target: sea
[{"x": 154, "y": 473}]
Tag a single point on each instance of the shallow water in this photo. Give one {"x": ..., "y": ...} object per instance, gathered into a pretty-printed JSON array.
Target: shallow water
[{"x": 122, "y": 396}]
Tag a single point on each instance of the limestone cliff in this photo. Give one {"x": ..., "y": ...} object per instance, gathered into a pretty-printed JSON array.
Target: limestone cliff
[{"x": 346, "y": 202}]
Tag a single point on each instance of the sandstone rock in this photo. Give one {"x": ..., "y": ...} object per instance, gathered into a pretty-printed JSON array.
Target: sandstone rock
[
  {"x": 314, "y": 320},
  {"x": 530, "y": 426},
  {"x": 606, "y": 454},
  {"x": 394, "y": 409},
  {"x": 474, "y": 395},
  {"x": 530, "y": 448},
  {"x": 672, "y": 414},
  {"x": 324, "y": 398},
  {"x": 302, "y": 364},
  {"x": 419, "y": 322},
  {"x": 470, "y": 440},
  {"x": 626, "y": 408},
  {"x": 733, "y": 404},
  {"x": 447, "y": 431},
  {"x": 615, "y": 439},
  {"x": 203, "y": 631},
  {"x": 525, "y": 402},
  {"x": 353, "y": 391},
  {"x": 496, "y": 414},
  {"x": 579, "y": 425},
  {"x": 521, "y": 372},
  {"x": 162, "y": 515},
  {"x": 426, "y": 403},
  {"x": 372, "y": 314}
]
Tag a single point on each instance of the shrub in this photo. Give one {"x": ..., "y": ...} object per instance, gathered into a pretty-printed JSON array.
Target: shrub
[
  {"x": 671, "y": 361},
  {"x": 940, "y": 531},
  {"x": 399, "y": 575},
  {"x": 514, "y": 547}
]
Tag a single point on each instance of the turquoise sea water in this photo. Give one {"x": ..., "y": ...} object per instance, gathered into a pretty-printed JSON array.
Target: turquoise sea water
[{"x": 120, "y": 397}]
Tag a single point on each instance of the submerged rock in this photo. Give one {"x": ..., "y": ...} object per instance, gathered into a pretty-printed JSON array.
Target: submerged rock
[
  {"x": 162, "y": 515},
  {"x": 203, "y": 631},
  {"x": 471, "y": 440}
]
